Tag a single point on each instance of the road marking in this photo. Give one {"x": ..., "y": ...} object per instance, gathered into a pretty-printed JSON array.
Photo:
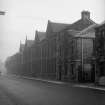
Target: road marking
[{"x": 91, "y": 87}]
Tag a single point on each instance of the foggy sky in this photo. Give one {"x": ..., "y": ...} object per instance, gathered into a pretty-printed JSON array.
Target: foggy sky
[{"x": 23, "y": 17}]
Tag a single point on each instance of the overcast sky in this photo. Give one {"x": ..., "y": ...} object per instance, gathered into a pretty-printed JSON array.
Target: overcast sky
[{"x": 23, "y": 17}]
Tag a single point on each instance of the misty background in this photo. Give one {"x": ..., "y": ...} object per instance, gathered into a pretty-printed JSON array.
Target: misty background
[{"x": 24, "y": 17}]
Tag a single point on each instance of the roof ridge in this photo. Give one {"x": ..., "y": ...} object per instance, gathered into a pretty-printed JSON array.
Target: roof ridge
[
  {"x": 81, "y": 24},
  {"x": 57, "y": 22},
  {"x": 76, "y": 21}
]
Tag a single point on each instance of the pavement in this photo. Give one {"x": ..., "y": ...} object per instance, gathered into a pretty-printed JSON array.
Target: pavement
[{"x": 80, "y": 85}]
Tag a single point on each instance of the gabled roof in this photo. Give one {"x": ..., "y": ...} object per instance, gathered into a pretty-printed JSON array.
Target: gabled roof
[
  {"x": 56, "y": 27},
  {"x": 29, "y": 43},
  {"x": 81, "y": 24},
  {"x": 40, "y": 35}
]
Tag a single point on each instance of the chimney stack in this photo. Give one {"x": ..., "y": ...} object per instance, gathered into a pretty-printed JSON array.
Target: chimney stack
[{"x": 85, "y": 15}]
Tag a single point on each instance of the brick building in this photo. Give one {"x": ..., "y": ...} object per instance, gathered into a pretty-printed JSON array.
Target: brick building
[
  {"x": 76, "y": 50},
  {"x": 13, "y": 64},
  {"x": 79, "y": 59},
  {"x": 63, "y": 52}
]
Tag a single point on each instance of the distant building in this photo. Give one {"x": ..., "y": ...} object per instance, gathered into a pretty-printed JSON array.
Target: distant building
[
  {"x": 26, "y": 57},
  {"x": 13, "y": 64}
]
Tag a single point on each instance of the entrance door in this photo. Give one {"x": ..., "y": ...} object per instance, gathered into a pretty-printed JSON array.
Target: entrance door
[
  {"x": 87, "y": 72},
  {"x": 93, "y": 73},
  {"x": 60, "y": 73},
  {"x": 102, "y": 67}
]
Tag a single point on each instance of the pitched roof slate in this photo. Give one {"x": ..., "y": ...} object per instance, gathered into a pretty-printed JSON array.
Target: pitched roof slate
[
  {"x": 80, "y": 24},
  {"x": 56, "y": 27},
  {"x": 40, "y": 35},
  {"x": 29, "y": 43}
]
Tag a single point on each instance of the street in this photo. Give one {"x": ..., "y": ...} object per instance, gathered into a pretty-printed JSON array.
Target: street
[{"x": 20, "y": 91}]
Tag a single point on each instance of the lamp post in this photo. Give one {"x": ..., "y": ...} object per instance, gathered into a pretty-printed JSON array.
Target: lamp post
[
  {"x": 41, "y": 60},
  {"x": 31, "y": 61}
]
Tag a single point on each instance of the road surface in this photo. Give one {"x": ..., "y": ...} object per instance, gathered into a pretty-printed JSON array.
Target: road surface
[{"x": 20, "y": 91}]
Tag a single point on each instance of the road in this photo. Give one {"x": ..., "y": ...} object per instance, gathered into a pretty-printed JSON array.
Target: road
[{"x": 20, "y": 91}]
